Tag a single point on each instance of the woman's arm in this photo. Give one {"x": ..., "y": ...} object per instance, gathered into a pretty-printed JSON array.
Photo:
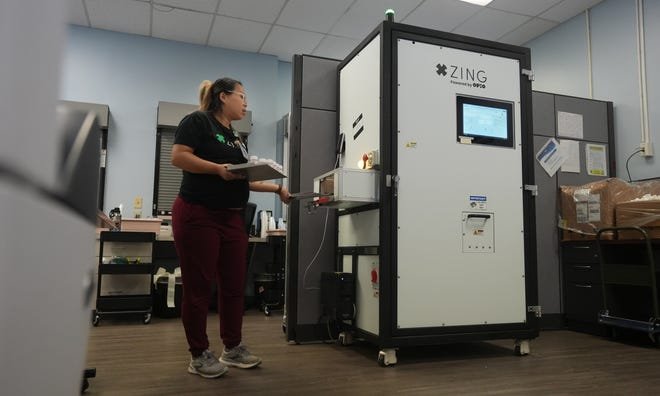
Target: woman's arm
[
  {"x": 184, "y": 158},
  {"x": 278, "y": 189}
]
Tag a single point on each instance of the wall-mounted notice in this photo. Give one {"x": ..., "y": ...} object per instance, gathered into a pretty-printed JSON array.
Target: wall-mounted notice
[
  {"x": 596, "y": 159},
  {"x": 550, "y": 157},
  {"x": 571, "y": 149},
  {"x": 570, "y": 125}
]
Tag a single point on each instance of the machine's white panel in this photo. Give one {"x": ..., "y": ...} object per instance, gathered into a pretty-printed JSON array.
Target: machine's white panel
[
  {"x": 367, "y": 294},
  {"x": 359, "y": 229},
  {"x": 359, "y": 103},
  {"x": 439, "y": 284}
]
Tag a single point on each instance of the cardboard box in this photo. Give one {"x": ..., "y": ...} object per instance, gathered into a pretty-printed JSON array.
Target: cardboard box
[
  {"x": 644, "y": 214},
  {"x": 143, "y": 225},
  {"x": 587, "y": 208}
]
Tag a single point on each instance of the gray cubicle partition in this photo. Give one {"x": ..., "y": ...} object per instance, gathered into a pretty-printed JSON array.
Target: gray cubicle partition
[
  {"x": 312, "y": 234},
  {"x": 597, "y": 126}
]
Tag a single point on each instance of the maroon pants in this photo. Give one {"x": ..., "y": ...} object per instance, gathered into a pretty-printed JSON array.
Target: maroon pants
[{"x": 212, "y": 247}]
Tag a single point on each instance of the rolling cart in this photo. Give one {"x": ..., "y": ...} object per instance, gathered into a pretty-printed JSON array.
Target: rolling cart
[
  {"x": 125, "y": 275},
  {"x": 269, "y": 286},
  {"x": 629, "y": 283}
]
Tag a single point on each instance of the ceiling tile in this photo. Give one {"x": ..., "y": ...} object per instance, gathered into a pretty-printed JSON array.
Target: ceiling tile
[
  {"x": 238, "y": 34},
  {"x": 77, "y": 13},
  {"x": 335, "y": 47},
  {"x": 365, "y": 15},
  {"x": 126, "y": 16},
  {"x": 528, "y": 31},
  {"x": 314, "y": 15},
  {"x": 568, "y": 9},
  {"x": 254, "y": 10},
  {"x": 285, "y": 42},
  {"x": 442, "y": 15},
  {"x": 180, "y": 25},
  {"x": 491, "y": 24},
  {"x": 527, "y": 7},
  {"x": 197, "y": 5}
]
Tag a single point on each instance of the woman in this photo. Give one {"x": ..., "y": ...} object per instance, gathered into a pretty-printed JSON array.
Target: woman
[{"x": 209, "y": 227}]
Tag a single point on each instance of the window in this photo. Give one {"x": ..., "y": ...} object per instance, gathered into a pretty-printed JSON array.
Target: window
[{"x": 167, "y": 177}]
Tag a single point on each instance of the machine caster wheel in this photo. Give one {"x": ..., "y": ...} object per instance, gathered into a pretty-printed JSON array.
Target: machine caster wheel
[
  {"x": 283, "y": 329},
  {"x": 96, "y": 318},
  {"x": 521, "y": 347},
  {"x": 387, "y": 357},
  {"x": 345, "y": 338},
  {"x": 266, "y": 311},
  {"x": 147, "y": 318}
]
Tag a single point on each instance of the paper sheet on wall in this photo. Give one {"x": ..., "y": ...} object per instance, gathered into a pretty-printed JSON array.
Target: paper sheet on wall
[
  {"x": 551, "y": 156},
  {"x": 571, "y": 149},
  {"x": 596, "y": 159},
  {"x": 570, "y": 125}
]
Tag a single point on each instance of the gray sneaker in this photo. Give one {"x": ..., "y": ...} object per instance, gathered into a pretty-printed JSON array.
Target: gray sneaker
[
  {"x": 207, "y": 365},
  {"x": 239, "y": 357}
]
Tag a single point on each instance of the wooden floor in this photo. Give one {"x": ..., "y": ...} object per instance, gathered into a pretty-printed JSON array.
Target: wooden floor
[{"x": 136, "y": 359}]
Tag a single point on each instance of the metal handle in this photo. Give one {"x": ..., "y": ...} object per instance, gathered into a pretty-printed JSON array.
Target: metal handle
[
  {"x": 582, "y": 286},
  {"x": 582, "y": 267},
  {"x": 478, "y": 216}
]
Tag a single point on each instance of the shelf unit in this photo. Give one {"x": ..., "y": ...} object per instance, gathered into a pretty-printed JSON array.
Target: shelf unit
[{"x": 125, "y": 275}]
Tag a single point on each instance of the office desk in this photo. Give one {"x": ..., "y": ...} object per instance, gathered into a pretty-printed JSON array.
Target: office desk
[{"x": 626, "y": 286}]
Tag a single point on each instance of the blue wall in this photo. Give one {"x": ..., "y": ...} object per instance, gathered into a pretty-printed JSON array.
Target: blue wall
[
  {"x": 559, "y": 60},
  {"x": 131, "y": 74}
]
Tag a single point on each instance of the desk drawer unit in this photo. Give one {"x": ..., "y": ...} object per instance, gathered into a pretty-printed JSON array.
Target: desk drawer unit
[{"x": 583, "y": 297}]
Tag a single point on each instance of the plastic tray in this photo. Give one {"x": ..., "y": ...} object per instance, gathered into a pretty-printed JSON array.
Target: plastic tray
[{"x": 258, "y": 171}]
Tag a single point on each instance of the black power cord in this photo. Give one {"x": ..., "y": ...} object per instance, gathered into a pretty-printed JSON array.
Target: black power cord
[{"x": 628, "y": 160}]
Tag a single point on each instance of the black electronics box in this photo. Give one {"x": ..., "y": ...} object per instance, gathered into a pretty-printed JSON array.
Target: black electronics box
[{"x": 338, "y": 295}]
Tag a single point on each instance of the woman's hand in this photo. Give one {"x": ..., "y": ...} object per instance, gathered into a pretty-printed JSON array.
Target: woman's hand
[
  {"x": 285, "y": 195},
  {"x": 228, "y": 175}
]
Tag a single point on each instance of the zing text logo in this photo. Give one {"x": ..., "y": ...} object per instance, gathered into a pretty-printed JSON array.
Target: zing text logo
[{"x": 462, "y": 75}]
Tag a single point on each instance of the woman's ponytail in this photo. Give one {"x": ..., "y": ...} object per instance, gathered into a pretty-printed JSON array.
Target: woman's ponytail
[{"x": 205, "y": 96}]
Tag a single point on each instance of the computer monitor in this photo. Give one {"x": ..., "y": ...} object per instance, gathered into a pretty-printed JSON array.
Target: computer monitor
[{"x": 484, "y": 121}]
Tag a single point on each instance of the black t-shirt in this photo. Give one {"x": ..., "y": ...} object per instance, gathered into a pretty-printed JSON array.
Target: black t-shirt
[{"x": 212, "y": 141}]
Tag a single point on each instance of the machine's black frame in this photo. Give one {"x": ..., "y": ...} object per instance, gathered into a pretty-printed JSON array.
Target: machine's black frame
[{"x": 389, "y": 335}]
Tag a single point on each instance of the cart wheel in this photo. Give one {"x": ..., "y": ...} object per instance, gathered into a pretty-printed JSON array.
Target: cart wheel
[
  {"x": 266, "y": 310},
  {"x": 96, "y": 318},
  {"x": 147, "y": 318}
]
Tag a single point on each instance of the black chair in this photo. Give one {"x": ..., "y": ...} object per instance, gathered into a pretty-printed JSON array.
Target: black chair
[{"x": 250, "y": 210}]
